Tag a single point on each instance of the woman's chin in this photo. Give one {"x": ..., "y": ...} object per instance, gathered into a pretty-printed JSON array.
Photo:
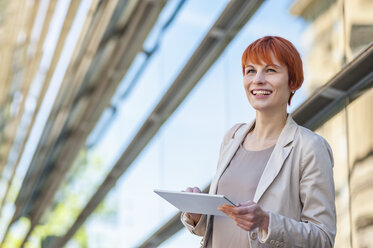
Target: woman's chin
[{"x": 261, "y": 107}]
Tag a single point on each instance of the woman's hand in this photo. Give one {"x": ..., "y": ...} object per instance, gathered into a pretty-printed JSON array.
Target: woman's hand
[
  {"x": 194, "y": 217},
  {"x": 247, "y": 215}
]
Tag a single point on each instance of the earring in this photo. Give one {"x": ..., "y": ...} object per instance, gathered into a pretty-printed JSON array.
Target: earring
[{"x": 293, "y": 91}]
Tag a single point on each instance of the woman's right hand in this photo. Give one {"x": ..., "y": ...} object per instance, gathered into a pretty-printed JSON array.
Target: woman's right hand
[{"x": 194, "y": 217}]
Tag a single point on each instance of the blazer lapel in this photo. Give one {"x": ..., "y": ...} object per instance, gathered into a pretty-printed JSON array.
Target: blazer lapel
[
  {"x": 280, "y": 152},
  {"x": 227, "y": 154}
]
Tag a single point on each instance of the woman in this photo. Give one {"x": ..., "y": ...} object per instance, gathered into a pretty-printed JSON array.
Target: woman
[{"x": 280, "y": 173}]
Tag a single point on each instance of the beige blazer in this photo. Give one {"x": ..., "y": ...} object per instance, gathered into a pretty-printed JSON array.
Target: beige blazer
[{"x": 296, "y": 188}]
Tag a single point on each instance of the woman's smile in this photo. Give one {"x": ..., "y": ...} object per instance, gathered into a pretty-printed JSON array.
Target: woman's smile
[{"x": 261, "y": 93}]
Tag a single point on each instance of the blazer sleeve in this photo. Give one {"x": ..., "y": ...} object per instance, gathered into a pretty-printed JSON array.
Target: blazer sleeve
[
  {"x": 317, "y": 227},
  {"x": 199, "y": 228}
]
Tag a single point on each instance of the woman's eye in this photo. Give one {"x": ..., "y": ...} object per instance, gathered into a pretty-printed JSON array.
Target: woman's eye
[
  {"x": 250, "y": 71},
  {"x": 271, "y": 70}
]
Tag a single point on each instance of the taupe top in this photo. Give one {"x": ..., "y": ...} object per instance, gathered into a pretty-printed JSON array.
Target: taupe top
[{"x": 238, "y": 182}]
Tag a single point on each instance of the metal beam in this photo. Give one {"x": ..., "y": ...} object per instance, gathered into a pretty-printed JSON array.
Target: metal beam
[
  {"x": 85, "y": 113},
  {"x": 8, "y": 45},
  {"x": 354, "y": 78},
  {"x": 76, "y": 116},
  {"x": 59, "y": 114},
  {"x": 28, "y": 67},
  {"x": 29, "y": 78},
  {"x": 36, "y": 168}
]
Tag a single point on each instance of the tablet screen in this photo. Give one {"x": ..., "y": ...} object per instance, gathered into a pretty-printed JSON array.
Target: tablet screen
[{"x": 199, "y": 203}]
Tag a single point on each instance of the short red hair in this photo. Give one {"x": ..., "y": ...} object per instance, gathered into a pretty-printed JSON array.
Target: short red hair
[{"x": 260, "y": 51}]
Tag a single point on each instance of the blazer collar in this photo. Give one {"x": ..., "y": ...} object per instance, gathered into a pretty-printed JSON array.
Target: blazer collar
[
  {"x": 277, "y": 159},
  {"x": 275, "y": 162},
  {"x": 286, "y": 135}
]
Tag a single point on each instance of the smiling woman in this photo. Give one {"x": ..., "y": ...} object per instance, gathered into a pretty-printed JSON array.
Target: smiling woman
[
  {"x": 276, "y": 54},
  {"x": 279, "y": 173}
]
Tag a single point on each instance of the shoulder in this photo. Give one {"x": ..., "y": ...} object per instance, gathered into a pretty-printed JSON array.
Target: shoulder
[
  {"x": 310, "y": 139},
  {"x": 232, "y": 132},
  {"x": 236, "y": 128},
  {"x": 313, "y": 144}
]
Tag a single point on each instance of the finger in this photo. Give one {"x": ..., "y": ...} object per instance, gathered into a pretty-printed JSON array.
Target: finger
[
  {"x": 246, "y": 219},
  {"x": 227, "y": 207},
  {"x": 221, "y": 208},
  {"x": 247, "y": 209},
  {"x": 230, "y": 209},
  {"x": 248, "y": 203},
  {"x": 245, "y": 226},
  {"x": 224, "y": 210},
  {"x": 246, "y": 222},
  {"x": 243, "y": 210},
  {"x": 196, "y": 190},
  {"x": 229, "y": 215},
  {"x": 189, "y": 189},
  {"x": 253, "y": 210},
  {"x": 237, "y": 210}
]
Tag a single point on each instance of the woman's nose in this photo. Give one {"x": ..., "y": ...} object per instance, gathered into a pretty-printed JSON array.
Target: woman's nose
[{"x": 259, "y": 78}]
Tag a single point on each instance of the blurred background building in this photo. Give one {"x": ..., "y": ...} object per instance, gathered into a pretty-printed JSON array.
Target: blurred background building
[
  {"x": 102, "y": 101},
  {"x": 339, "y": 31}
]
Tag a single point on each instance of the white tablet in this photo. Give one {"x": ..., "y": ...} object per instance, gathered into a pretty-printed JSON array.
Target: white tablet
[{"x": 199, "y": 203}]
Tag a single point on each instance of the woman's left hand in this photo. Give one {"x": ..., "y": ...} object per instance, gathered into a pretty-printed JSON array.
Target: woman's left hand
[{"x": 247, "y": 215}]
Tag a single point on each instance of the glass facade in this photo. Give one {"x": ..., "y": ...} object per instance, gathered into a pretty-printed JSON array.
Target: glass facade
[
  {"x": 350, "y": 135},
  {"x": 335, "y": 36}
]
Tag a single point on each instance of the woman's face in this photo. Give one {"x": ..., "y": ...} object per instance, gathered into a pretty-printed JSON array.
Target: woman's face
[{"x": 267, "y": 86}]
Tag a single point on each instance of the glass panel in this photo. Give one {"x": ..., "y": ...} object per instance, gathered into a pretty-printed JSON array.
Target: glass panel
[
  {"x": 334, "y": 131},
  {"x": 338, "y": 31},
  {"x": 360, "y": 122}
]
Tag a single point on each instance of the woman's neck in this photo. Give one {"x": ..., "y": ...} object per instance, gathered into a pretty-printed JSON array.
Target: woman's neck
[{"x": 268, "y": 126}]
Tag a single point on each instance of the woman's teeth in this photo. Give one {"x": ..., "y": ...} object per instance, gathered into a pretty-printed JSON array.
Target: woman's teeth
[{"x": 261, "y": 92}]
